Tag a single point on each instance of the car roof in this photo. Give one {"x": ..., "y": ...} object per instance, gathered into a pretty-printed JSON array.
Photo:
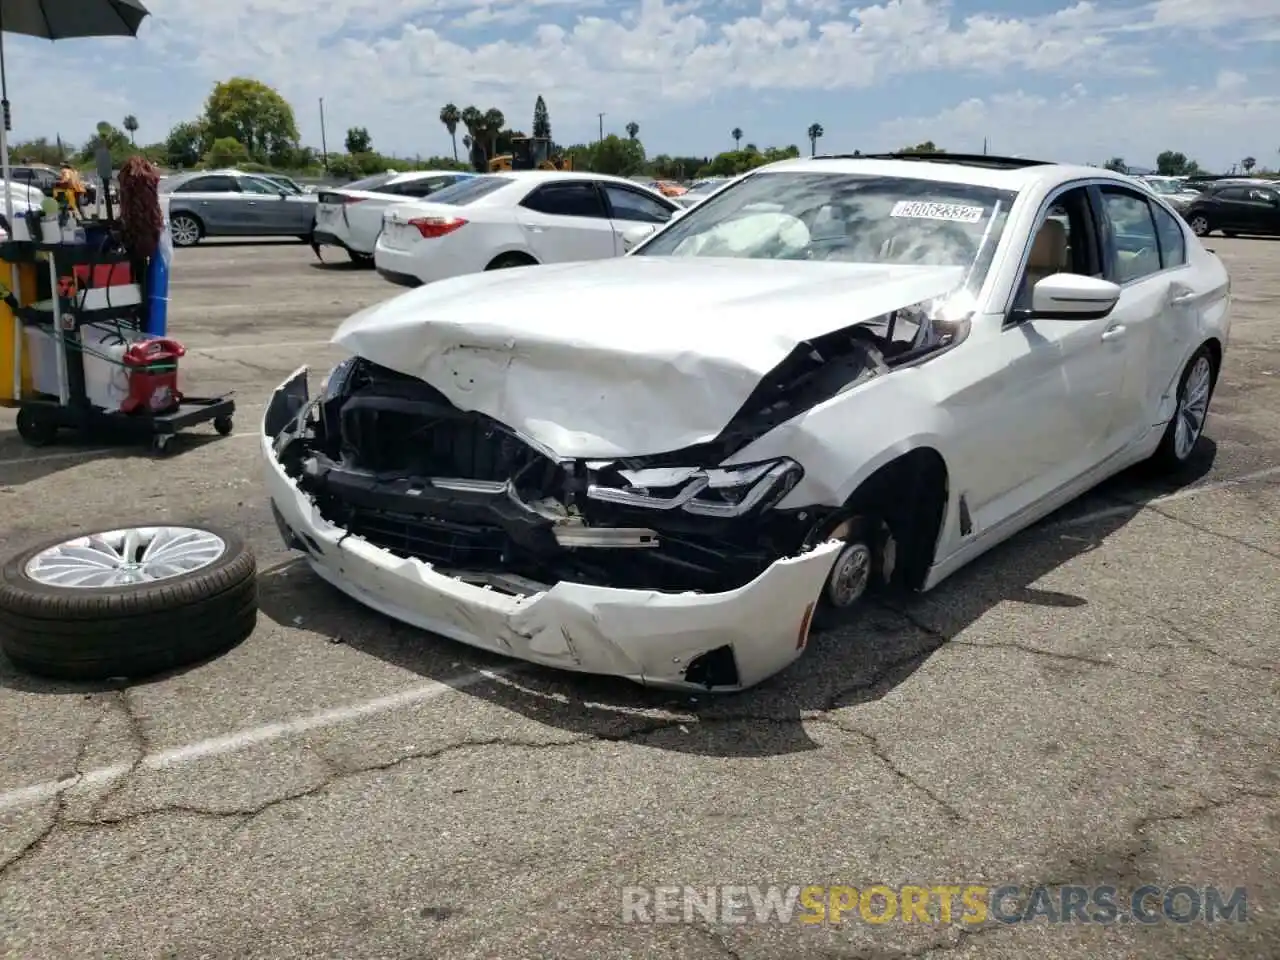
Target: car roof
[
  {"x": 1002, "y": 173},
  {"x": 410, "y": 175},
  {"x": 523, "y": 175}
]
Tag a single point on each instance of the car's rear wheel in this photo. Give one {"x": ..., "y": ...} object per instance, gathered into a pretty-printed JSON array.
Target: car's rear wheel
[
  {"x": 508, "y": 260},
  {"x": 1200, "y": 225},
  {"x": 360, "y": 259},
  {"x": 186, "y": 230},
  {"x": 1195, "y": 391}
]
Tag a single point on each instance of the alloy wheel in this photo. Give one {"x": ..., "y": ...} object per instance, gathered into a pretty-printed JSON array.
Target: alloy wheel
[
  {"x": 118, "y": 558},
  {"x": 185, "y": 231},
  {"x": 1199, "y": 226},
  {"x": 1193, "y": 408}
]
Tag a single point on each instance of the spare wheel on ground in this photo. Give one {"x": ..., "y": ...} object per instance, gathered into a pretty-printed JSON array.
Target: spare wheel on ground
[{"x": 127, "y": 602}]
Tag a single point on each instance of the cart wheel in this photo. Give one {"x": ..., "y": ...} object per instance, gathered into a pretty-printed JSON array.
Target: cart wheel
[
  {"x": 162, "y": 445},
  {"x": 224, "y": 426},
  {"x": 35, "y": 428}
]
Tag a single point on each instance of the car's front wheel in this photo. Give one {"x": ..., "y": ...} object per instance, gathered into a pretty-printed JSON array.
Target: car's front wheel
[
  {"x": 1195, "y": 390},
  {"x": 1199, "y": 224},
  {"x": 863, "y": 567},
  {"x": 185, "y": 230}
]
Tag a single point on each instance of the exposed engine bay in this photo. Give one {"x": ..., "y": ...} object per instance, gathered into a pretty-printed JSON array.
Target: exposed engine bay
[{"x": 388, "y": 458}]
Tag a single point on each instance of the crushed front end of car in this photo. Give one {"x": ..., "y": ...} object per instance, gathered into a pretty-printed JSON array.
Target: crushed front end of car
[{"x": 674, "y": 575}]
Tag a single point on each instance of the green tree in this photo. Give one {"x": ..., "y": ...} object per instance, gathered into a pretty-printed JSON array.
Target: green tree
[
  {"x": 614, "y": 155},
  {"x": 494, "y": 121},
  {"x": 186, "y": 144},
  {"x": 39, "y": 150},
  {"x": 226, "y": 152},
  {"x": 449, "y": 117},
  {"x": 736, "y": 133},
  {"x": 358, "y": 140},
  {"x": 633, "y": 130},
  {"x": 131, "y": 125},
  {"x": 1174, "y": 163},
  {"x": 254, "y": 115},
  {"x": 1248, "y": 163},
  {"x": 1117, "y": 164},
  {"x": 473, "y": 119},
  {"x": 927, "y": 147},
  {"x": 814, "y": 133},
  {"x": 541, "y": 119}
]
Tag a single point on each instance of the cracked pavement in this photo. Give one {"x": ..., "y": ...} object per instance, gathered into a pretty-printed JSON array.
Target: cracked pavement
[{"x": 1094, "y": 702}]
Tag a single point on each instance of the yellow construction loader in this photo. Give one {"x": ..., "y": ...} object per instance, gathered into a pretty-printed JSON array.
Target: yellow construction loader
[{"x": 530, "y": 153}]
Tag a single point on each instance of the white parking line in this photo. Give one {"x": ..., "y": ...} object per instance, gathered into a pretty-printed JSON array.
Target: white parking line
[{"x": 252, "y": 736}]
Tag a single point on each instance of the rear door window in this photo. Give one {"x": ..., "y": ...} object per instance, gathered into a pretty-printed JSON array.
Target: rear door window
[
  {"x": 1136, "y": 249},
  {"x": 1173, "y": 244},
  {"x": 635, "y": 206},
  {"x": 209, "y": 185},
  {"x": 570, "y": 198}
]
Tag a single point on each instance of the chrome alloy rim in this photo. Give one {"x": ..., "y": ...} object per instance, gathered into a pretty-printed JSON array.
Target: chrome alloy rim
[
  {"x": 122, "y": 557},
  {"x": 850, "y": 575},
  {"x": 184, "y": 230},
  {"x": 1193, "y": 408}
]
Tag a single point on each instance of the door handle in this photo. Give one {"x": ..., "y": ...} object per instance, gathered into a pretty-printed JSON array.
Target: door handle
[
  {"x": 1113, "y": 333},
  {"x": 1181, "y": 299},
  {"x": 253, "y": 203}
]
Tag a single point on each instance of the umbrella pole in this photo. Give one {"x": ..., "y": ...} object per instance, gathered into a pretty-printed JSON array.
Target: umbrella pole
[{"x": 15, "y": 277}]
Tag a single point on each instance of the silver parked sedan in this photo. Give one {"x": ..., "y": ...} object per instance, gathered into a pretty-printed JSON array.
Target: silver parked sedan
[{"x": 227, "y": 203}]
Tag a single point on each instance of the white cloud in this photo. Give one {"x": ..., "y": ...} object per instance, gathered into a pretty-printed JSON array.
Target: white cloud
[
  {"x": 1082, "y": 126},
  {"x": 389, "y": 64}
]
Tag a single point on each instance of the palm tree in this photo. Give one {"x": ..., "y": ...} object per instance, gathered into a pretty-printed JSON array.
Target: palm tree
[
  {"x": 473, "y": 120},
  {"x": 633, "y": 129},
  {"x": 131, "y": 124},
  {"x": 449, "y": 116},
  {"x": 1248, "y": 163},
  {"x": 736, "y": 133},
  {"x": 494, "y": 121},
  {"x": 815, "y": 134}
]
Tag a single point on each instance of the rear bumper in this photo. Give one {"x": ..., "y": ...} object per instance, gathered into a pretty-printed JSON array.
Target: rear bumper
[{"x": 725, "y": 641}]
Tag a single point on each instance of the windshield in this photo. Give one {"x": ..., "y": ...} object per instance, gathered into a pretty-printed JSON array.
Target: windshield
[
  {"x": 469, "y": 191},
  {"x": 845, "y": 218},
  {"x": 370, "y": 183},
  {"x": 707, "y": 186},
  {"x": 1160, "y": 185}
]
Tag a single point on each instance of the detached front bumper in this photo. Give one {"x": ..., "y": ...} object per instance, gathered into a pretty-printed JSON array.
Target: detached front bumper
[{"x": 724, "y": 641}]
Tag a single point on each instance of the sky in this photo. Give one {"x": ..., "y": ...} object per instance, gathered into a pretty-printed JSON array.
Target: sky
[{"x": 1078, "y": 82}]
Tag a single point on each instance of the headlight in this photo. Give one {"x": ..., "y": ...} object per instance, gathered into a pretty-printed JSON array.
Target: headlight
[{"x": 724, "y": 492}]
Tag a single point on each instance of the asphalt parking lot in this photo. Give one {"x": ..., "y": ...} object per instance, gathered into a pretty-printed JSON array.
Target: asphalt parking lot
[{"x": 1093, "y": 703}]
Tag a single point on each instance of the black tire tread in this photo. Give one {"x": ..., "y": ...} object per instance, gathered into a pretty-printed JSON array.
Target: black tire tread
[{"x": 130, "y": 631}]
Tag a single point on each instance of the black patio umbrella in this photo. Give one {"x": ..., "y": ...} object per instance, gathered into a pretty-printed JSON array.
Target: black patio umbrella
[{"x": 58, "y": 20}]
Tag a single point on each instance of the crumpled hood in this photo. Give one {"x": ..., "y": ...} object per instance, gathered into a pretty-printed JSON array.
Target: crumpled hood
[{"x": 626, "y": 356}]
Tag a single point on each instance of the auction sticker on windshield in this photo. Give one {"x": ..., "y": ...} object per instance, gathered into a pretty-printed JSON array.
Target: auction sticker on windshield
[{"x": 927, "y": 210}]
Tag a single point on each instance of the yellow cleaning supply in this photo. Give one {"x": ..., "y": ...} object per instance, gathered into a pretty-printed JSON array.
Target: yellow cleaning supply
[{"x": 8, "y": 323}]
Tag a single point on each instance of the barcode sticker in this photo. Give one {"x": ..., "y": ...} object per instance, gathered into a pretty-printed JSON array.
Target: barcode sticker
[{"x": 926, "y": 210}]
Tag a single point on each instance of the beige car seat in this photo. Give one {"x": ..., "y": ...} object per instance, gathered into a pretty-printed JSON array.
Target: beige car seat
[{"x": 1048, "y": 253}]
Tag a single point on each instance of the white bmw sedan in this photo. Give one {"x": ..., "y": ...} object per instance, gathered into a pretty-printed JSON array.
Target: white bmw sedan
[
  {"x": 516, "y": 219},
  {"x": 836, "y": 376}
]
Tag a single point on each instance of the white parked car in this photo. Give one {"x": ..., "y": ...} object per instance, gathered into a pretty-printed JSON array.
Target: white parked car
[
  {"x": 516, "y": 219},
  {"x": 350, "y": 216},
  {"x": 700, "y": 190},
  {"x": 836, "y": 376}
]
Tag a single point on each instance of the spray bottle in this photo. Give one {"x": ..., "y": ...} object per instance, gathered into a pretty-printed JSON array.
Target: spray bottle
[{"x": 158, "y": 284}]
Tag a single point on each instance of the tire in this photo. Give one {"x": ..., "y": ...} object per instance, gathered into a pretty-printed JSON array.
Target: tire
[
  {"x": 186, "y": 230},
  {"x": 1174, "y": 450},
  {"x": 360, "y": 259},
  {"x": 127, "y": 630},
  {"x": 861, "y": 570},
  {"x": 224, "y": 426},
  {"x": 35, "y": 427},
  {"x": 1200, "y": 225},
  {"x": 508, "y": 260}
]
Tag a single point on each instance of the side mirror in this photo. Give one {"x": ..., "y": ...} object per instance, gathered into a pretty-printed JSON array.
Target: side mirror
[
  {"x": 1069, "y": 296},
  {"x": 634, "y": 236}
]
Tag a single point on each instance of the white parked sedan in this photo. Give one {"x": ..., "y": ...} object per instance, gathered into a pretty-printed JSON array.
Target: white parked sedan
[
  {"x": 516, "y": 219},
  {"x": 350, "y": 217},
  {"x": 835, "y": 376}
]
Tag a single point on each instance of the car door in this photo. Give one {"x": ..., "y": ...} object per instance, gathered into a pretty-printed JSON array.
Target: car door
[
  {"x": 630, "y": 208},
  {"x": 1143, "y": 324},
  {"x": 268, "y": 210},
  {"x": 1040, "y": 414},
  {"x": 566, "y": 220},
  {"x": 1264, "y": 208},
  {"x": 1230, "y": 209},
  {"x": 216, "y": 200}
]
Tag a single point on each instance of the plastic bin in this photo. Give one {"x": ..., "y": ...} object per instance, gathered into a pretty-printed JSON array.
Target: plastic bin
[{"x": 106, "y": 382}]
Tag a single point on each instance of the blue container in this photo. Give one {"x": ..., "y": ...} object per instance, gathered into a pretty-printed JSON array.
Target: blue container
[{"x": 157, "y": 320}]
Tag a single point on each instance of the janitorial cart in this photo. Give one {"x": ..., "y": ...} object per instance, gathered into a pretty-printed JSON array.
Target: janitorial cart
[{"x": 87, "y": 346}]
